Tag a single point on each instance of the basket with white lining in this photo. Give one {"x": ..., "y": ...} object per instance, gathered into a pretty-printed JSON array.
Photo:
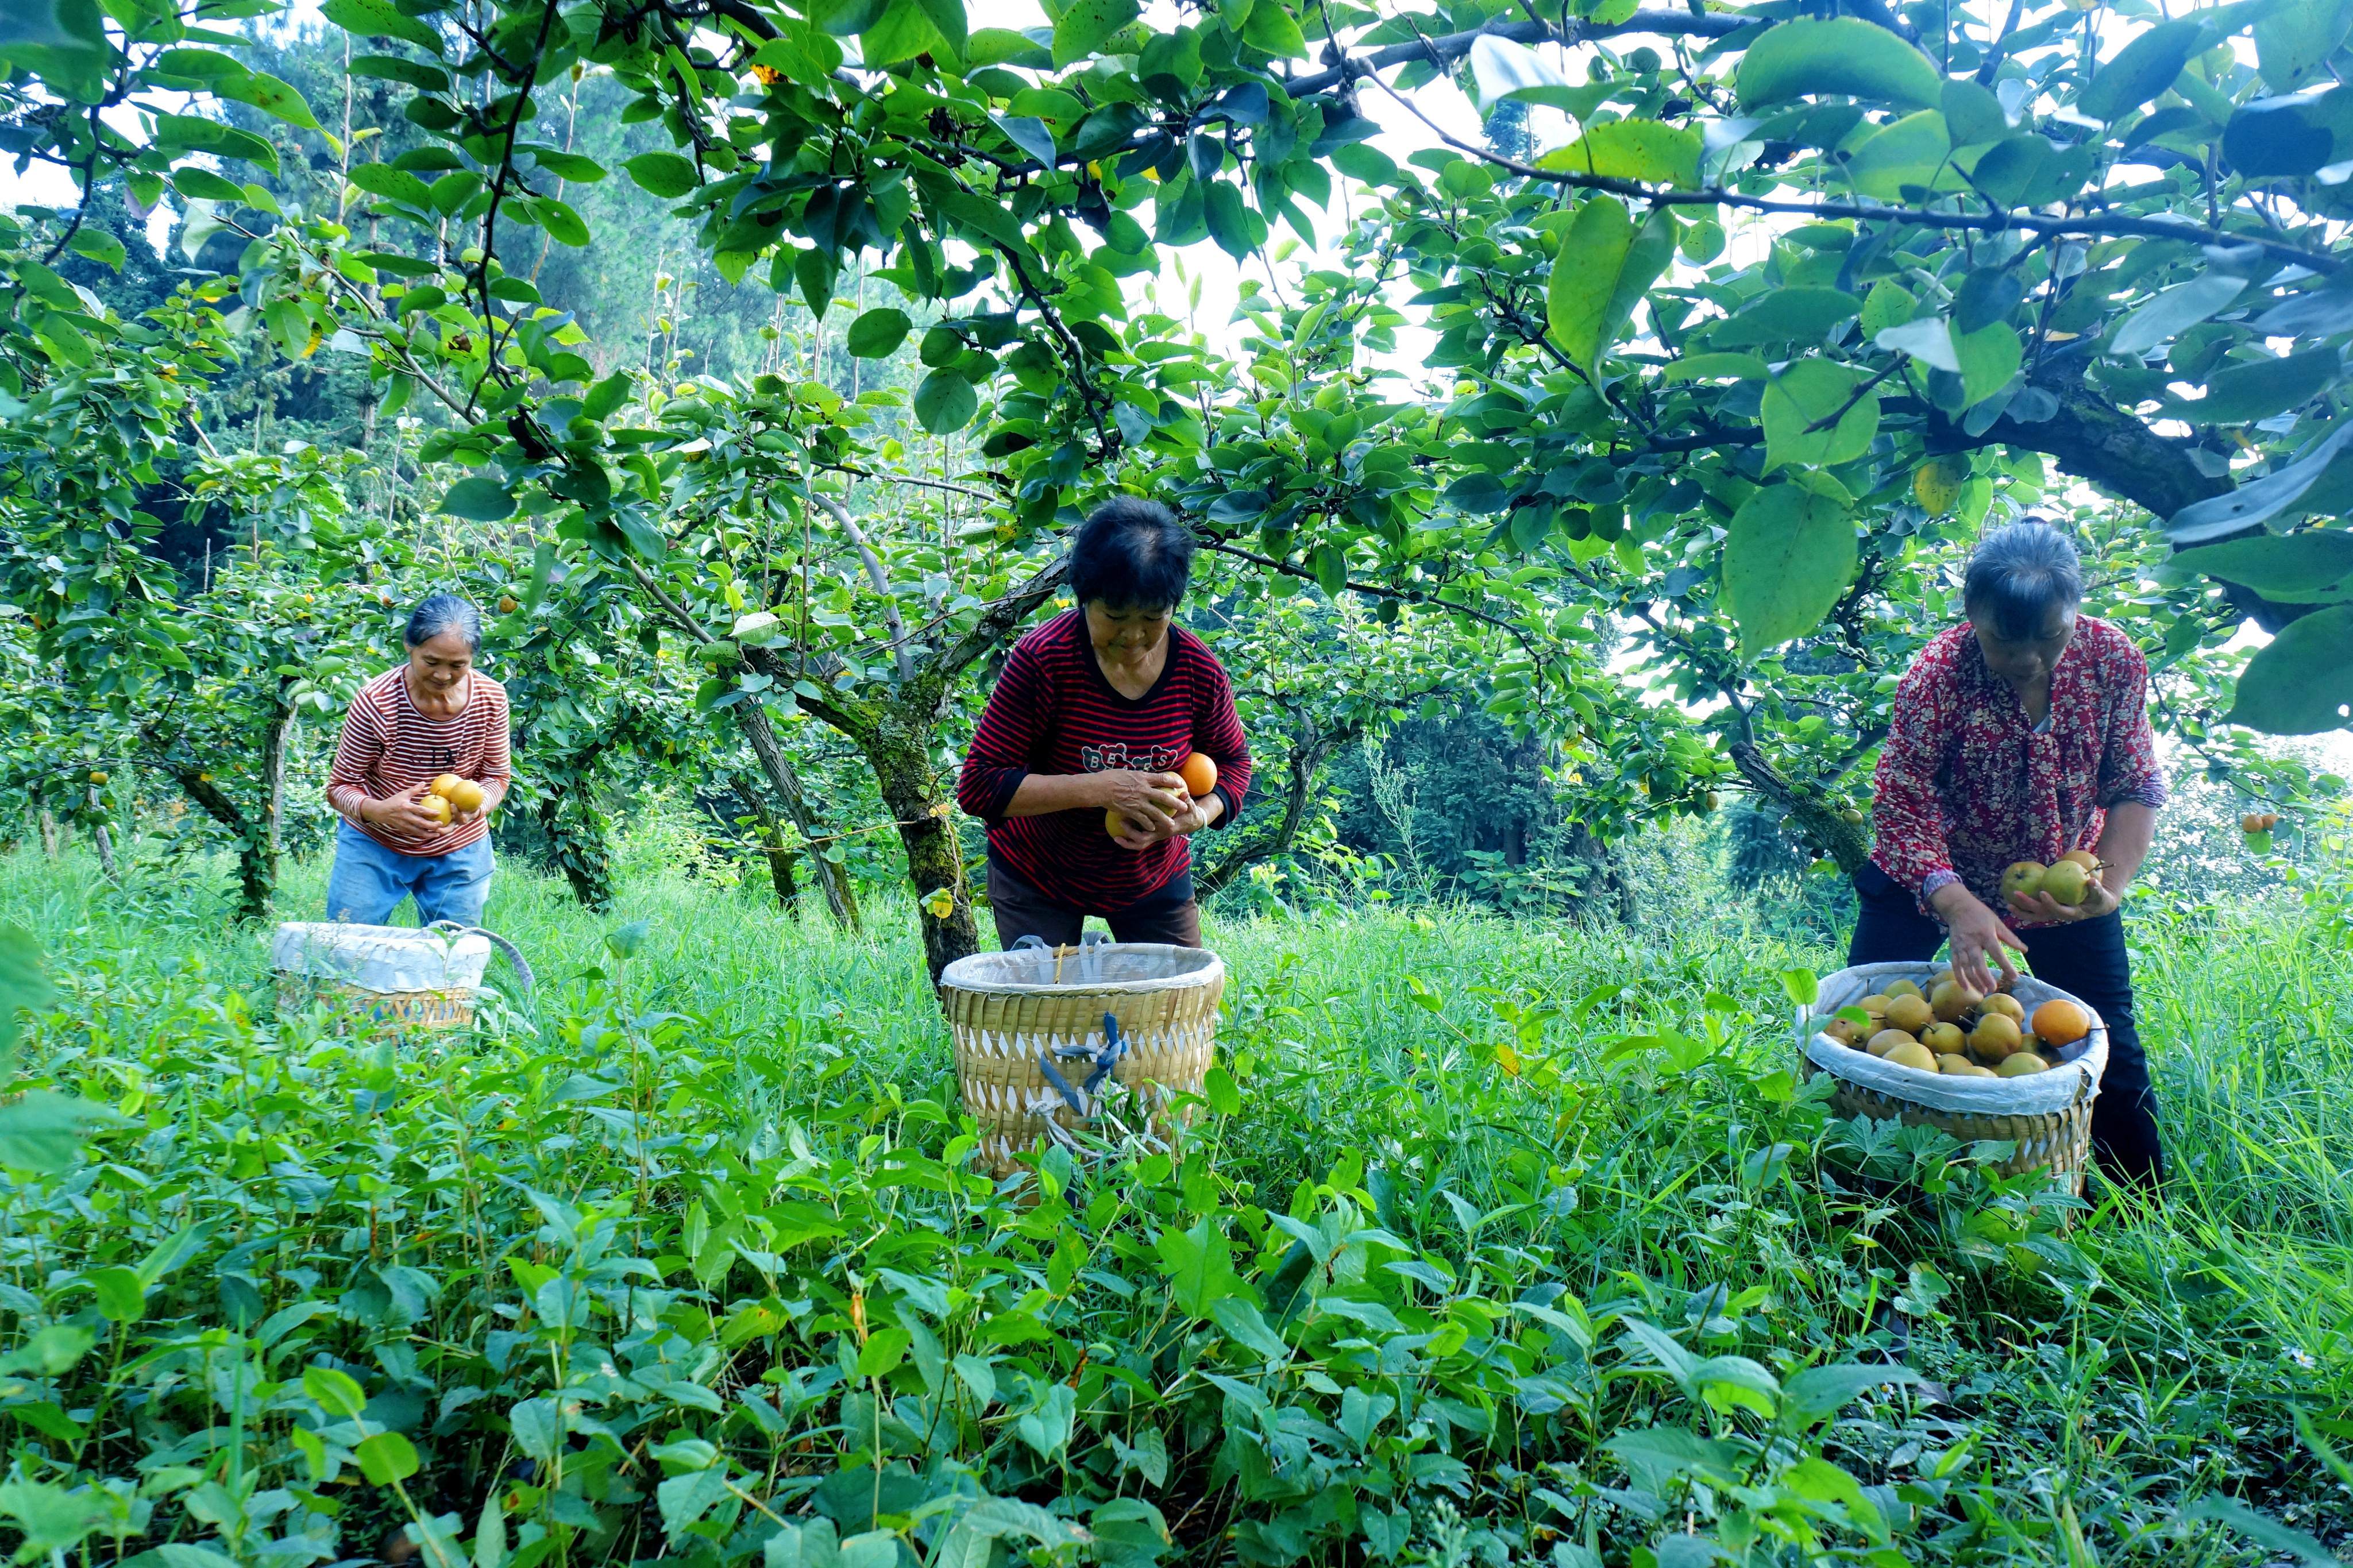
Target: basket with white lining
[{"x": 2047, "y": 1114}]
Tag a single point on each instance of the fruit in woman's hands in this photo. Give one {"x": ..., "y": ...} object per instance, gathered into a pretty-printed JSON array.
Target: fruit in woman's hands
[
  {"x": 2067, "y": 883},
  {"x": 1903, "y": 988},
  {"x": 1199, "y": 772},
  {"x": 465, "y": 796},
  {"x": 1911, "y": 1054},
  {"x": 2022, "y": 878},
  {"x": 444, "y": 784},
  {"x": 1945, "y": 1039},
  {"x": 1910, "y": 1013},
  {"x": 436, "y": 806},
  {"x": 2022, "y": 1064},
  {"x": 1114, "y": 823},
  {"x": 1995, "y": 1037},
  {"x": 2061, "y": 1022},
  {"x": 2008, "y": 1006},
  {"x": 2084, "y": 858},
  {"x": 1887, "y": 1040}
]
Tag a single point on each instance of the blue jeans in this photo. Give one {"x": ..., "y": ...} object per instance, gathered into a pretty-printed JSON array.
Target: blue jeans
[{"x": 369, "y": 881}]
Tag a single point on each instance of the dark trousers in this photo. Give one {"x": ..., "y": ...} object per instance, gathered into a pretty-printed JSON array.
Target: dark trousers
[
  {"x": 1171, "y": 915},
  {"x": 2088, "y": 960}
]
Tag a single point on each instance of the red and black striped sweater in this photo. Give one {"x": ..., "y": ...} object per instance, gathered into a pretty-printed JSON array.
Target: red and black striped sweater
[{"x": 1053, "y": 713}]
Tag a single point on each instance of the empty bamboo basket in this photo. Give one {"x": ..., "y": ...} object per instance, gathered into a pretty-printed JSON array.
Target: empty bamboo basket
[{"x": 1018, "y": 1014}]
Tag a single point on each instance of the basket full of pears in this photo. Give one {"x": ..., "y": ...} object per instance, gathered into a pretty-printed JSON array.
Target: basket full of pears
[{"x": 2010, "y": 1060}]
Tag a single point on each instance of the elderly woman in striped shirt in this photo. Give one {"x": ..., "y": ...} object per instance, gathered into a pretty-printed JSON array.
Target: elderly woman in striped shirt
[
  {"x": 1096, "y": 711},
  {"x": 435, "y": 715}
]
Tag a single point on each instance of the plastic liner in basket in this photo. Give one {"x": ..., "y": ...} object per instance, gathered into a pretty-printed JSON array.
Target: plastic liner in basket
[{"x": 2074, "y": 1078}]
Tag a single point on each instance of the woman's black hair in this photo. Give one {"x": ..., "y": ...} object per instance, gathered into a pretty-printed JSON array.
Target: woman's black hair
[
  {"x": 2020, "y": 576},
  {"x": 438, "y": 612},
  {"x": 1131, "y": 553}
]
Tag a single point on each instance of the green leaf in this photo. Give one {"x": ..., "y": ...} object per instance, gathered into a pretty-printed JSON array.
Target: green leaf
[
  {"x": 2301, "y": 682},
  {"x": 335, "y": 1392},
  {"x": 945, "y": 403},
  {"x": 664, "y": 175},
  {"x": 2141, "y": 69},
  {"x": 1647, "y": 150},
  {"x": 563, "y": 224},
  {"x": 1247, "y": 1327},
  {"x": 62, "y": 41},
  {"x": 878, "y": 333},
  {"x": 1989, "y": 357},
  {"x": 1803, "y": 315},
  {"x": 380, "y": 20},
  {"x": 52, "y": 1520},
  {"x": 947, "y": 20},
  {"x": 395, "y": 185},
  {"x": 1271, "y": 28},
  {"x": 479, "y": 499},
  {"x": 271, "y": 96},
  {"x": 1713, "y": 367},
  {"x": 1228, "y": 218},
  {"x": 2292, "y": 42},
  {"x": 192, "y": 133},
  {"x": 902, "y": 32},
  {"x": 2268, "y": 1533},
  {"x": 397, "y": 67},
  {"x": 1199, "y": 1266},
  {"x": 2257, "y": 389},
  {"x": 2258, "y": 501},
  {"x": 386, "y": 1458},
  {"x": 1819, "y": 1393},
  {"x": 1803, "y": 396},
  {"x": 1836, "y": 55},
  {"x": 1800, "y": 986},
  {"x": 41, "y": 1131},
  {"x": 885, "y": 1349},
  {"x": 1086, "y": 25},
  {"x": 1787, "y": 558},
  {"x": 23, "y": 985},
  {"x": 121, "y": 1294},
  {"x": 1907, "y": 154},
  {"x": 2168, "y": 314},
  {"x": 1929, "y": 340},
  {"x": 2307, "y": 567},
  {"x": 1603, "y": 268}
]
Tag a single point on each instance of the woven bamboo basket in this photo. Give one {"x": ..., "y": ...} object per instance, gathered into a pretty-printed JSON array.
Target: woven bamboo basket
[
  {"x": 2047, "y": 1115},
  {"x": 393, "y": 979},
  {"x": 1016, "y": 1014},
  {"x": 451, "y": 1009}
]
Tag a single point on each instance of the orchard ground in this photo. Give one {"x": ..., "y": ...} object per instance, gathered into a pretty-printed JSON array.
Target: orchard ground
[{"x": 716, "y": 1168}]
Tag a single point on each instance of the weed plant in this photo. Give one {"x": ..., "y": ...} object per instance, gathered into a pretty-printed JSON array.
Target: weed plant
[{"x": 1495, "y": 1242}]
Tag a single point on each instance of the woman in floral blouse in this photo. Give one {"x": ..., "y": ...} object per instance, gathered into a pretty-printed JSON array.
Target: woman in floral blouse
[{"x": 2021, "y": 736}]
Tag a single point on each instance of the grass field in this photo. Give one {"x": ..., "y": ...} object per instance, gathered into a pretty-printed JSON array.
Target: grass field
[{"x": 1503, "y": 1242}]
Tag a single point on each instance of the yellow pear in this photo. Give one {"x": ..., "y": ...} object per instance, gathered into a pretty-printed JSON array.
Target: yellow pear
[
  {"x": 1887, "y": 1040},
  {"x": 2008, "y": 1006},
  {"x": 1909, "y": 1013},
  {"x": 1903, "y": 988},
  {"x": 1995, "y": 1037},
  {"x": 2022, "y": 1064},
  {"x": 1952, "y": 1061},
  {"x": 2067, "y": 882},
  {"x": 1912, "y": 1053},
  {"x": 1945, "y": 1039}
]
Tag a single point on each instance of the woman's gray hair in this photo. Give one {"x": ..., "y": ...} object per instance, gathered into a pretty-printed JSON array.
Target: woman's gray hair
[
  {"x": 2019, "y": 575},
  {"x": 438, "y": 612}
]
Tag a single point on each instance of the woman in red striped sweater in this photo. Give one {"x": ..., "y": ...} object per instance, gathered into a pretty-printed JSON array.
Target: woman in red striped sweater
[
  {"x": 1094, "y": 713},
  {"x": 436, "y": 714}
]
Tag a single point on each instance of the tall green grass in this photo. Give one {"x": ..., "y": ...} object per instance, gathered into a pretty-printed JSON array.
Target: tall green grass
[{"x": 1608, "y": 1110}]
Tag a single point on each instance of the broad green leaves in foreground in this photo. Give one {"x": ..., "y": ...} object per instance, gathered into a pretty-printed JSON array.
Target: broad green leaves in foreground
[{"x": 1786, "y": 560}]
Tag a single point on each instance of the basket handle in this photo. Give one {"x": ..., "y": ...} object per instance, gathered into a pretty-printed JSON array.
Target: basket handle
[
  {"x": 1104, "y": 1059},
  {"x": 513, "y": 953}
]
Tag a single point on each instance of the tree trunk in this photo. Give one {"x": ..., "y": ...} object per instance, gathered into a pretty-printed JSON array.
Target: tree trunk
[
  {"x": 51, "y": 838},
  {"x": 899, "y": 751},
  {"x": 575, "y": 830},
  {"x": 1299, "y": 773},
  {"x": 1844, "y": 842},
  {"x": 257, "y": 849},
  {"x": 104, "y": 840},
  {"x": 780, "y": 855},
  {"x": 831, "y": 877},
  {"x": 273, "y": 769}
]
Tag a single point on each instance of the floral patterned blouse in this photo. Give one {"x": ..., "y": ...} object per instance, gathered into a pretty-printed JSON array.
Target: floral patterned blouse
[{"x": 1968, "y": 784}]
